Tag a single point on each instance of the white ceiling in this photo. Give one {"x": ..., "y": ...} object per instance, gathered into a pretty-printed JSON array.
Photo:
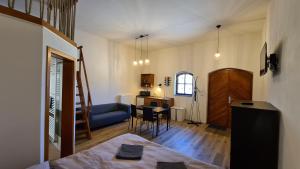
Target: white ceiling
[{"x": 169, "y": 22}]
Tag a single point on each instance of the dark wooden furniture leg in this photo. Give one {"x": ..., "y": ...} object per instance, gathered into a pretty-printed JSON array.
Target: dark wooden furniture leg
[
  {"x": 132, "y": 122},
  {"x": 129, "y": 123},
  {"x": 168, "y": 122},
  {"x": 157, "y": 124}
]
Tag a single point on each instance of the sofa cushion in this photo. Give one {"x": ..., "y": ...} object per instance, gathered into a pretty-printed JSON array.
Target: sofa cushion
[
  {"x": 104, "y": 119},
  {"x": 104, "y": 108}
]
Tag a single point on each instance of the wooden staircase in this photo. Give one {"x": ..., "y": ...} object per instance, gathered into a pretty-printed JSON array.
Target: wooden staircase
[{"x": 82, "y": 109}]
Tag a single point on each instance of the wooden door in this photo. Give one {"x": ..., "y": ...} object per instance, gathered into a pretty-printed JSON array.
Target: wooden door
[
  {"x": 224, "y": 86},
  {"x": 218, "y": 98},
  {"x": 240, "y": 87}
]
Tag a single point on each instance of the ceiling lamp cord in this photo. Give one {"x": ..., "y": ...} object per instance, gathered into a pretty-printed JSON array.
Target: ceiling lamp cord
[
  {"x": 135, "y": 60},
  {"x": 141, "y": 62},
  {"x": 147, "y": 61}
]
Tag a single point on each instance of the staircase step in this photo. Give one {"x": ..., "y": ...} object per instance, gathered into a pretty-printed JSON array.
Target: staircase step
[
  {"x": 82, "y": 119},
  {"x": 81, "y": 137},
  {"x": 79, "y": 113},
  {"x": 79, "y": 132},
  {"x": 80, "y": 122}
]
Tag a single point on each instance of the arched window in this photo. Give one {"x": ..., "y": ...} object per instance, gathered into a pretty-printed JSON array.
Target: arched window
[{"x": 184, "y": 84}]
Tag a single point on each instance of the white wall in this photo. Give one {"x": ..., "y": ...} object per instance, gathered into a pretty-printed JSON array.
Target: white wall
[
  {"x": 283, "y": 30},
  {"x": 20, "y": 88},
  {"x": 237, "y": 51},
  {"x": 109, "y": 68},
  {"x": 52, "y": 40},
  {"x": 22, "y": 70}
]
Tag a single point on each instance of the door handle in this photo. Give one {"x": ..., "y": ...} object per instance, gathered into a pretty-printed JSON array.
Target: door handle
[{"x": 229, "y": 99}]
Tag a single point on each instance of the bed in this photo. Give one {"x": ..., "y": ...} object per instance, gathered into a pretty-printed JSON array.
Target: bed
[{"x": 102, "y": 156}]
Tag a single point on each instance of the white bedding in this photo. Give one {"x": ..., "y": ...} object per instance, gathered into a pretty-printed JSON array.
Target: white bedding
[{"x": 102, "y": 156}]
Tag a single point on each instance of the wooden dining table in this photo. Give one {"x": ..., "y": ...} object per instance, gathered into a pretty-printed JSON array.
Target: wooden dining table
[{"x": 157, "y": 110}]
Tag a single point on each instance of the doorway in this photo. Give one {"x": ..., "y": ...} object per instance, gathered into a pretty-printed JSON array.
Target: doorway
[
  {"x": 59, "y": 111},
  {"x": 225, "y": 86},
  {"x": 55, "y": 107}
]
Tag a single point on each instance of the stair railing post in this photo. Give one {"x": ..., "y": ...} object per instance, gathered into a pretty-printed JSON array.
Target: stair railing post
[
  {"x": 11, "y": 3},
  {"x": 28, "y": 6},
  {"x": 42, "y": 7},
  {"x": 82, "y": 63}
]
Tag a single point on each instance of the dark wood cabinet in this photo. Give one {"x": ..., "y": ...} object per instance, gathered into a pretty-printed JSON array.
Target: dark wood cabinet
[
  {"x": 159, "y": 100},
  {"x": 147, "y": 80},
  {"x": 254, "y": 135}
]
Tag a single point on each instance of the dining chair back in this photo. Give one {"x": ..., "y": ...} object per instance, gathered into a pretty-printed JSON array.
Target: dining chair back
[
  {"x": 166, "y": 105},
  {"x": 133, "y": 110},
  {"x": 154, "y": 104},
  {"x": 148, "y": 114},
  {"x": 133, "y": 115}
]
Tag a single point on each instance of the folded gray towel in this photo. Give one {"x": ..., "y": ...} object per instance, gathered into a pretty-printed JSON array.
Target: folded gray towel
[
  {"x": 171, "y": 165},
  {"x": 130, "y": 152}
]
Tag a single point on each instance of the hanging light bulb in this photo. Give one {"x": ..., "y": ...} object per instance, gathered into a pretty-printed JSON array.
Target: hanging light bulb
[
  {"x": 135, "y": 63},
  {"x": 147, "y": 61},
  {"x": 218, "y": 54},
  {"x": 141, "y": 62}
]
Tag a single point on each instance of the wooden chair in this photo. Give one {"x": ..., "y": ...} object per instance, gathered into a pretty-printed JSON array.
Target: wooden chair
[
  {"x": 134, "y": 114},
  {"x": 148, "y": 116}
]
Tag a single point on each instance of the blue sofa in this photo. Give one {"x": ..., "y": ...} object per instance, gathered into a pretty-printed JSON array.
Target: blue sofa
[{"x": 106, "y": 114}]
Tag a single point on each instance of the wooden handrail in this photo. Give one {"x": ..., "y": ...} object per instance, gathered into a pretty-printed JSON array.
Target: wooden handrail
[
  {"x": 66, "y": 9},
  {"x": 82, "y": 66},
  {"x": 36, "y": 20}
]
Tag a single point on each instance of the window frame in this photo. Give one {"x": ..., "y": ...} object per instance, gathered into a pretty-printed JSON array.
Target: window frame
[{"x": 176, "y": 84}]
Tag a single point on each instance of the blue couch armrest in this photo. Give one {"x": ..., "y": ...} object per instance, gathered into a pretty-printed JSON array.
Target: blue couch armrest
[{"x": 125, "y": 107}]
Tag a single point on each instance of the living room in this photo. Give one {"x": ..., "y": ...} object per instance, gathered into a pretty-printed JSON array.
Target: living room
[{"x": 120, "y": 42}]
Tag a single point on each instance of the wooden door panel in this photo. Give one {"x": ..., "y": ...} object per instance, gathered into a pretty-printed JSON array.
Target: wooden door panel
[
  {"x": 226, "y": 85},
  {"x": 217, "y": 98},
  {"x": 240, "y": 85}
]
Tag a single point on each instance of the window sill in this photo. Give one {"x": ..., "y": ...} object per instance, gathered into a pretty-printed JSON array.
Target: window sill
[{"x": 185, "y": 95}]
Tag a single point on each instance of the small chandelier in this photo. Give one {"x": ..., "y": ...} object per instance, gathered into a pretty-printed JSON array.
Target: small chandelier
[
  {"x": 142, "y": 58},
  {"x": 218, "y": 54}
]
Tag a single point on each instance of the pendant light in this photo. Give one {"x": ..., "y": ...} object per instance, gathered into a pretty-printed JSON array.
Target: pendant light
[
  {"x": 142, "y": 58},
  {"x": 218, "y": 54}
]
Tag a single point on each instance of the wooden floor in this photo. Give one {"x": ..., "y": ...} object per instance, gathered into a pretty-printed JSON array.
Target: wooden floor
[{"x": 202, "y": 143}]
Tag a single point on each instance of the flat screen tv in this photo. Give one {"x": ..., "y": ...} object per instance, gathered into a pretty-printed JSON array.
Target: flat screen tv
[{"x": 263, "y": 60}]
